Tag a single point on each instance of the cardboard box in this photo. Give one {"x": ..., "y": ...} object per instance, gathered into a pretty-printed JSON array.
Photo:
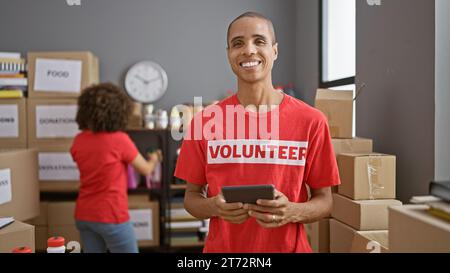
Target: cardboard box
[
  {"x": 412, "y": 229},
  {"x": 17, "y": 234},
  {"x": 42, "y": 218},
  {"x": 145, "y": 219},
  {"x": 319, "y": 235},
  {"x": 371, "y": 242},
  {"x": 61, "y": 214},
  {"x": 19, "y": 188},
  {"x": 344, "y": 239},
  {"x": 61, "y": 74},
  {"x": 51, "y": 122},
  {"x": 57, "y": 170},
  {"x": 367, "y": 176},
  {"x": 13, "y": 124},
  {"x": 136, "y": 120},
  {"x": 352, "y": 145},
  {"x": 363, "y": 214},
  {"x": 338, "y": 108},
  {"x": 40, "y": 226},
  {"x": 41, "y": 237}
]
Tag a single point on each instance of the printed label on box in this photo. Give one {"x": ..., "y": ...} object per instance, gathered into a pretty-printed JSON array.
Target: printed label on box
[
  {"x": 57, "y": 167},
  {"x": 9, "y": 121},
  {"x": 54, "y": 121},
  {"x": 142, "y": 223},
  {"x": 5, "y": 186},
  {"x": 58, "y": 75}
]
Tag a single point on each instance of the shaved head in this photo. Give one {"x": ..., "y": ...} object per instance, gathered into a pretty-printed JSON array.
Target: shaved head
[{"x": 252, "y": 14}]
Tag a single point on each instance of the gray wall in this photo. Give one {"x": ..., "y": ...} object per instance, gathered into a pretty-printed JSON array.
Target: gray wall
[
  {"x": 307, "y": 46},
  {"x": 187, "y": 37},
  {"x": 442, "y": 137},
  {"x": 395, "y": 54}
]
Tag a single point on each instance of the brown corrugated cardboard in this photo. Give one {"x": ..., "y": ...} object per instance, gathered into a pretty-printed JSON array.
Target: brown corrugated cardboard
[
  {"x": 338, "y": 108},
  {"x": 52, "y": 74},
  {"x": 352, "y": 145},
  {"x": 345, "y": 239},
  {"x": 41, "y": 236},
  {"x": 363, "y": 214},
  {"x": 19, "y": 170},
  {"x": 61, "y": 213},
  {"x": 145, "y": 219},
  {"x": 42, "y": 218},
  {"x": 136, "y": 117},
  {"x": 367, "y": 176},
  {"x": 13, "y": 124},
  {"x": 57, "y": 170},
  {"x": 319, "y": 235},
  {"x": 41, "y": 228},
  {"x": 17, "y": 234},
  {"x": 370, "y": 242},
  {"x": 51, "y": 122},
  {"x": 412, "y": 229}
]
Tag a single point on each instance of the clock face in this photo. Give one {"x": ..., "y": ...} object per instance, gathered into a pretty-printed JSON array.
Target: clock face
[{"x": 146, "y": 82}]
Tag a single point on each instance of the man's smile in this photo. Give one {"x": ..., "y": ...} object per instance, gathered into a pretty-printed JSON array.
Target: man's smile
[{"x": 250, "y": 64}]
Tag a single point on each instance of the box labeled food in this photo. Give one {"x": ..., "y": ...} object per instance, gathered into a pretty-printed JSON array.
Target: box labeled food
[{"x": 61, "y": 74}]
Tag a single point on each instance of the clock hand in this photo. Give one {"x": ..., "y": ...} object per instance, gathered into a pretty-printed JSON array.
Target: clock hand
[
  {"x": 141, "y": 79},
  {"x": 152, "y": 80},
  {"x": 146, "y": 82}
]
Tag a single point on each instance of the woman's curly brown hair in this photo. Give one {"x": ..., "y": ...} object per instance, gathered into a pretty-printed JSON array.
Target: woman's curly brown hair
[{"x": 103, "y": 107}]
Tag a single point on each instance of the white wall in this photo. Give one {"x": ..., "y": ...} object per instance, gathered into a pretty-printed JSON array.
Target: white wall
[{"x": 442, "y": 123}]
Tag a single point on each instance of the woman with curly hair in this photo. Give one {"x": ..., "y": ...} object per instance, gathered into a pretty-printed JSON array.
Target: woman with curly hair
[{"x": 102, "y": 152}]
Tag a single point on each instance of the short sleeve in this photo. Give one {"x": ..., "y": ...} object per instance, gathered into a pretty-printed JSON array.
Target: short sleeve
[
  {"x": 321, "y": 167},
  {"x": 191, "y": 163},
  {"x": 128, "y": 149}
]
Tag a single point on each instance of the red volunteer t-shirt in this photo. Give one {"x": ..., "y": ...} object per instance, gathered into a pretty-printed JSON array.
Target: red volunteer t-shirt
[
  {"x": 102, "y": 159},
  {"x": 301, "y": 154}
]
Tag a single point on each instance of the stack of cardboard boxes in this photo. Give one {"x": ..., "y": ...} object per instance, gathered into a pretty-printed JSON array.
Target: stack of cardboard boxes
[
  {"x": 338, "y": 108},
  {"x": 57, "y": 219},
  {"x": 367, "y": 184},
  {"x": 55, "y": 82},
  {"x": 19, "y": 198},
  {"x": 19, "y": 188}
]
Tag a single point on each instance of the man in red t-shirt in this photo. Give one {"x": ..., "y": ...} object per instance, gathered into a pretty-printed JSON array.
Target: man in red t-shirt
[{"x": 287, "y": 145}]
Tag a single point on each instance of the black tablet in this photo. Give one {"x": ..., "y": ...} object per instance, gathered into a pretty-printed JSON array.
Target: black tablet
[{"x": 248, "y": 194}]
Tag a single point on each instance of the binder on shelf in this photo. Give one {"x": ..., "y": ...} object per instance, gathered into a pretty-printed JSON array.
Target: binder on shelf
[{"x": 440, "y": 189}]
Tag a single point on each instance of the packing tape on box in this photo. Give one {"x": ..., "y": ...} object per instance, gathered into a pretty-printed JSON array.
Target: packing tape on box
[{"x": 374, "y": 166}]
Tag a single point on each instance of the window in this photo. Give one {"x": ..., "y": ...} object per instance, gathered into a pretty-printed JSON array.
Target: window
[
  {"x": 338, "y": 43},
  {"x": 338, "y": 46}
]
